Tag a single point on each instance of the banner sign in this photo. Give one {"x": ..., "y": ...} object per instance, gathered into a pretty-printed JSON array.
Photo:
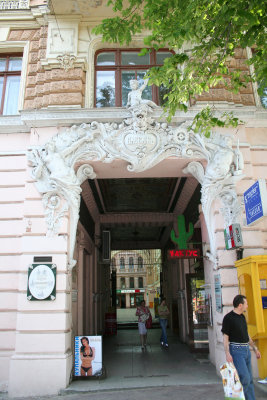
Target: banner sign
[
  {"x": 189, "y": 253},
  {"x": 256, "y": 202},
  {"x": 130, "y": 291},
  {"x": 233, "y": 237},
  {"x": 88, "y": 356}
]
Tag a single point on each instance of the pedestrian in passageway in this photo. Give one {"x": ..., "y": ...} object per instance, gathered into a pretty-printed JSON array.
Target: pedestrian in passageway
[
  {"x": 163, "y": 312},
  {"x": 143, "y": 314},
  {"x": 236, "y": 342}
]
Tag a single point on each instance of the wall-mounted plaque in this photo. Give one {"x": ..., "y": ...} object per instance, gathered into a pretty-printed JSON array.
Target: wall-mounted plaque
[{"x": 41, "y": 282}]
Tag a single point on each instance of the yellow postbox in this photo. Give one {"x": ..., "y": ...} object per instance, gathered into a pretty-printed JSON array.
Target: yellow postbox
[{"x": 252, "y": 282}]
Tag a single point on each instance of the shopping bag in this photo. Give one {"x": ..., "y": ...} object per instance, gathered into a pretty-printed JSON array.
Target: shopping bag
[
  {"x": 149, "y": 322},
  {"x": 231, "y": 383}
]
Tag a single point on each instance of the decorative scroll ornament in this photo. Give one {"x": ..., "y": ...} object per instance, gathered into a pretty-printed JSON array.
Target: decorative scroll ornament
[
  {"x": 218, "y": 181},
  {"x": 66, "y": 61},
  {"x": 139, "y": 140},
  {"x": 14, "y": 4}
]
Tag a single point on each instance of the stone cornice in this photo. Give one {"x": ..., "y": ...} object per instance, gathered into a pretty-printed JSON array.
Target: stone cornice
[
  {"x": 59, "y": 116},
  {"x": 67, "y": 116}
]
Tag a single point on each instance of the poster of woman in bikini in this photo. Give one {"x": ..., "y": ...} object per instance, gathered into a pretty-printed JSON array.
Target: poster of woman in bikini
[{"x": 88, "y": 356}]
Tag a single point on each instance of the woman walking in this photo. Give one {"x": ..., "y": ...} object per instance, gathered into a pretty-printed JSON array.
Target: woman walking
[
  {"x": 143, "y": 314},
  {"x": 163, "y": 320}
]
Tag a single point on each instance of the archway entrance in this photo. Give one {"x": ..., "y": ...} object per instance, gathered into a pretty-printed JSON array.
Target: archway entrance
[{"x": 68, "y": 165}]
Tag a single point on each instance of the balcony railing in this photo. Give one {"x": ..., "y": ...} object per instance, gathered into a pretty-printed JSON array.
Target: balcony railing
[{"x": 14, "y": 4}]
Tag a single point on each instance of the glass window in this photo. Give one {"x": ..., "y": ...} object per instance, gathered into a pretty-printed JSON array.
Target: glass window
[
  {"x": 131, "y": 282},
  {"x": 106, "y": 58},
  {"x": 131, "y": 262},
  {"x": 140, "y": 282},
  {"x": 115, "y": 69},
  {"x": 140, "y": 262},
  {"x": 132, "y": 58},
  {"x": 160, "y": 55},
  {"x": 122, "y": 263},
  {"x": 105, "y": 89},
  {"x": 10, "y": 71}
]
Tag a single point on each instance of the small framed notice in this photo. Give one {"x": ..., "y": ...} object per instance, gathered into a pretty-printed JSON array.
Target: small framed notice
[{"x": 41, "y": 282}]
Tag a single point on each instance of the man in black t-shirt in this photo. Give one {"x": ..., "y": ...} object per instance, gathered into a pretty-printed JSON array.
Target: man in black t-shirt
[{"x": 236, "y": 341}]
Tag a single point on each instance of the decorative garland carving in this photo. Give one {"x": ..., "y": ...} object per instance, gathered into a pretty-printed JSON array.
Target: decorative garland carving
[
  {"x": 143, "y": 143},
  {"x": 218, "y": 181}
]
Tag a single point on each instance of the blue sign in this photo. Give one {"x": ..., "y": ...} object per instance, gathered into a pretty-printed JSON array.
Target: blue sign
[
  {"x": 264, "y": 302},
  {"x": 255, "y": 202}
]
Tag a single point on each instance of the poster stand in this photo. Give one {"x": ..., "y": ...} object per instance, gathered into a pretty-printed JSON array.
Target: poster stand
[{"x": 88, "y": 363}]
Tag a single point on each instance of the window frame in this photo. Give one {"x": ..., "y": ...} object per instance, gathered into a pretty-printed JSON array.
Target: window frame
[
  {"x": 5, "y": 74},
  {"x": 118, "y": 67}
]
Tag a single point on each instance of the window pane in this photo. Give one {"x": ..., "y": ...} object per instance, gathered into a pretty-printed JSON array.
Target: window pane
[
  {"x": 11, "y": 95},
  {"x": 106, "y": 59},
  {"x": 125, "y": 85},
  {"x": 132, "y": 58},
  {"x": 105, "y": 89},
  {"x": 15, "y": 64},
  {"x": 161, "y": 56},
  {"x": 2, "y": 64}
]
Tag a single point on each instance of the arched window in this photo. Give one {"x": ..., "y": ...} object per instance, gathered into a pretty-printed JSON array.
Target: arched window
[
  {"x": 131, "y": 262},
  {"x": 140, "y": 282},
  {"x": 122, "y": 263},
  {"x": 114, "y": 70},
  {"x": 140, "y": 262}
]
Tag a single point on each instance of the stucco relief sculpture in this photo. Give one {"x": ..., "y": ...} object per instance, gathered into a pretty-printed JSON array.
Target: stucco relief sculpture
[
  {"x": 66, "y": 61},
  {"x": 62, "y": 165},
  {"x": 224, "y": 169}
]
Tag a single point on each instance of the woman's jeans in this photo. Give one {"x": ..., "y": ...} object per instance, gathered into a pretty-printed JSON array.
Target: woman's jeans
[
  {"x": 163, "y": 324},
  {"x": 242, "y": 361}
]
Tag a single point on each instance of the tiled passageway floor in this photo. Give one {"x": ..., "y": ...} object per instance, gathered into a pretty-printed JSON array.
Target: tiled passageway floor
[{"x": 127, "y": 366}]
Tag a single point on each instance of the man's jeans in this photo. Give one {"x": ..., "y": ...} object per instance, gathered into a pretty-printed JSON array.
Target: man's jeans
[
  {"x": 242, "y": 361},
  {"x": 163, "y": 324}
]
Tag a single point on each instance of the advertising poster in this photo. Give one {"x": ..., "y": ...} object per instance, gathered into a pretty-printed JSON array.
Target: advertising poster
[{"x": 88, "y": 356}]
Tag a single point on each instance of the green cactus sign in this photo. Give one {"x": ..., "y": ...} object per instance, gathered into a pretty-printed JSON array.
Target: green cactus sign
[{"x": 183, "y": 236}]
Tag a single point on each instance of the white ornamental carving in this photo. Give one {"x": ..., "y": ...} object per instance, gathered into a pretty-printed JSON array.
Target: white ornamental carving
[
  {"x": 142, "y": 142},
  {"x": 66, "y": 61},
  {"x": 218, "y": 181}
]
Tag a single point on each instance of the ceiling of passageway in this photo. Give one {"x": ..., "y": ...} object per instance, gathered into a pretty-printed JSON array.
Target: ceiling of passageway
[
  {"x": 142, "y": 201},
  {"x": 137, "y": 195}
]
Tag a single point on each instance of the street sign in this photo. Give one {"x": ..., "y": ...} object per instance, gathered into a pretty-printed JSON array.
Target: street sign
[
  {"x": 256, "y": 202},
  {"x": 189, "y": 253}
]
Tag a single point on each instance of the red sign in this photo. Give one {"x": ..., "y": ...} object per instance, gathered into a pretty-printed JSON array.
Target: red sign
[{"x": 189, "y": 253}]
